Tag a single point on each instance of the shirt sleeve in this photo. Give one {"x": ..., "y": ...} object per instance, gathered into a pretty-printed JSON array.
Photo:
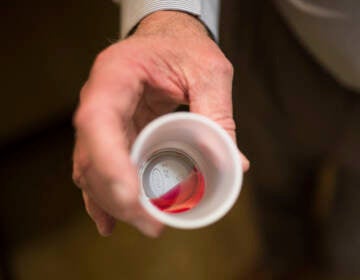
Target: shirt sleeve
[{"x": 132, "y": 11}]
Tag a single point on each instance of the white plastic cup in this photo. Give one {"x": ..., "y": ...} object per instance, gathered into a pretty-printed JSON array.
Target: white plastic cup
[{"x": 211, "y": 149}]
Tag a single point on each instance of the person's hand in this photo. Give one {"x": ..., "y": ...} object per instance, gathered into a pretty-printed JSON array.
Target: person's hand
[{"x": 169, "y": 60}]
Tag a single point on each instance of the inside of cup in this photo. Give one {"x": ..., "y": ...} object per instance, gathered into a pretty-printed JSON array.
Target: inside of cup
[{"x": 172, "y": 180}]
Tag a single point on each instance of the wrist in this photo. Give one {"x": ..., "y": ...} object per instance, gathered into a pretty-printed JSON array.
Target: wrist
[{"x": 171, "y": 23}]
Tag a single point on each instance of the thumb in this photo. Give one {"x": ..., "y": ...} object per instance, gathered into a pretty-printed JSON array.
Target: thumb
[{"x": 212, "y": 97}]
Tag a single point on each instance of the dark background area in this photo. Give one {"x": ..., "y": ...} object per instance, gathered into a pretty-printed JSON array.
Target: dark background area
[{"x": 46, "y": 52}]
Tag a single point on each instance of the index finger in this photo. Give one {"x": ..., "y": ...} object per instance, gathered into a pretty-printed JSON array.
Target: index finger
[{"x": 103, "y": 124}]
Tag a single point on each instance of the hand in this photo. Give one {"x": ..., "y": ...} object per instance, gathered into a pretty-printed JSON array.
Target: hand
[{"x": 169, "y": 60}]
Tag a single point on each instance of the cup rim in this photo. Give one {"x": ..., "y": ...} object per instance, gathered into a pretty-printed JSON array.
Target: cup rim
[{"x": 174, "y": 220}]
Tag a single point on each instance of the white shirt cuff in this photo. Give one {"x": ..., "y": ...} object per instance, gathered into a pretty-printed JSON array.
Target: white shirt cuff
[{"x": 132, "y": 11}]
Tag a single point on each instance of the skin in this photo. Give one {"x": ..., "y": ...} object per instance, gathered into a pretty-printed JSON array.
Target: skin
[{"x": 169, "y": 60}]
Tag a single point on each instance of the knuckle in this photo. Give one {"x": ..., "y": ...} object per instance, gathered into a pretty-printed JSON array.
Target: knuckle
[
  {"x": 79, "y": 117},
  {"x": 115, "y": 53},
  {"x": 104, "y": 57},
  {"x": 80, "y": 168},
  {"x": 83, "y": 91},
  {"x": 86, "y": 109},
  {"x": 76, "y": 173},
  {"x": 106, "y": 61},
  {"x": 220, "y": 64},
  {"x": 226, "y": 67},
  {"x": 78, "y": 179},
  {"x": 84, "y": 115}
]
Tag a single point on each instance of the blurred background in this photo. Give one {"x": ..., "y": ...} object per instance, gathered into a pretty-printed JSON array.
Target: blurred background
[{"x": 46, "y": 52}]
